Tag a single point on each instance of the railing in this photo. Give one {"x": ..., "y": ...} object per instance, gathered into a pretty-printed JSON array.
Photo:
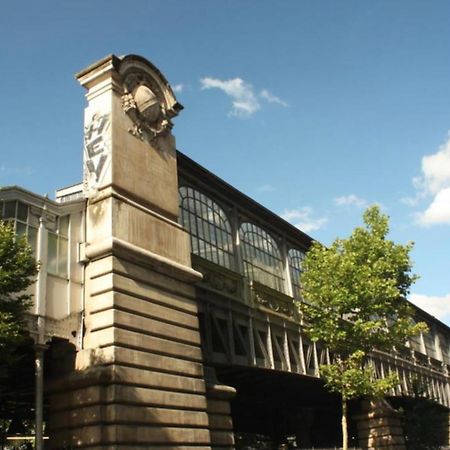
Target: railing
[{"x": 248, "y": 323}]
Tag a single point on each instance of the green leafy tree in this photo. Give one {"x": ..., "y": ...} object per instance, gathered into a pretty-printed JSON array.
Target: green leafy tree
[
  {"x": 17, "y": 271},
  {"x": 355, "y": 302}
]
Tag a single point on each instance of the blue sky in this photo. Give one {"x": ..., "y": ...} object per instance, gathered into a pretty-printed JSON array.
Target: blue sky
[{"x": 316, "y": 109}]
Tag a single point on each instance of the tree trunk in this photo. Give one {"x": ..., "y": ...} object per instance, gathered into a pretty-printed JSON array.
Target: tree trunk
[{"x": 344, "y": 425}]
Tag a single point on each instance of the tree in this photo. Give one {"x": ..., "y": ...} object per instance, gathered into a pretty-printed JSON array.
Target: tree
[
  {"x": 355, "y": 302},
  {"x": 17, "y": 270}
]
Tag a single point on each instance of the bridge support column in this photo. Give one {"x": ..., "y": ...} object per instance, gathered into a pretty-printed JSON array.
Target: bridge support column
[
  {"x": 219, "y": 397},
  {"x": 379, "y": 427},
  {"x": 138, "y": 381}
]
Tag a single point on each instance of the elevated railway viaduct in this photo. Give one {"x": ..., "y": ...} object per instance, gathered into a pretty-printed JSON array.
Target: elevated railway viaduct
[{"x": 164, "y": 310}]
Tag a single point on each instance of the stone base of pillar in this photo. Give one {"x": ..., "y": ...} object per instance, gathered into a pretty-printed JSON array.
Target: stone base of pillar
[
  {"x": 379, "y": 427},
  {"x": 218, "y": 397},
  {"x": 113, "y": 408},
  {"x": 139, "y": 383}
]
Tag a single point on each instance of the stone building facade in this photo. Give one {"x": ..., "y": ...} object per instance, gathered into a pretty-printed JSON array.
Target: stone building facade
[{"x": 163, "y": 293}]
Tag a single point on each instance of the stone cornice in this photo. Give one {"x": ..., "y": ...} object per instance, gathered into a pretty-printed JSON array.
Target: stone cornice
[{"x": 133, "y": 253}]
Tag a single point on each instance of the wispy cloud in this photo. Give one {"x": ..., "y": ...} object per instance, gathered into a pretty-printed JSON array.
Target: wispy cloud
[
  {"x": 411, "y": 201},
  {"x": 303, "y": 219},
  {"x": 266, "y": 95},
  {"x": 245, "y": 102},
  {"x": 178, "y": 88},
  {"x": 351, "y": 200},
  {"x": 438, "y": 307},
  {"x": 265, "y": 188},
  {"x": 434, "y": 182}
]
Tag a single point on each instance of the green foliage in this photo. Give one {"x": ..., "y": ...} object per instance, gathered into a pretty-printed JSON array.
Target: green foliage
[
  {"x": 355, "y": 301},
  {"x": 351, "y": 379},
  {"x": 17, "y": 270}
]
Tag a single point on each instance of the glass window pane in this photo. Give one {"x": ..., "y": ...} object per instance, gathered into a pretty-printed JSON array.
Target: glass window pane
[
  {"x": 22, "y": 212},
  {"x": 296, "y": 258},
  {"x": 64, "y": 226},
  {"x": 32, "y": 238},
  {"x": 206, "y": 221},
  {"x": 52, "y": 225},
  {"x": 262, "y": 259},
  {"x": 33, "y": 219},
  {"x": 21, "y": 229},
  {"x": 10, "y": 210},
  {"x": 62, "y": 257},
  {"x": 52, "y": 258}
]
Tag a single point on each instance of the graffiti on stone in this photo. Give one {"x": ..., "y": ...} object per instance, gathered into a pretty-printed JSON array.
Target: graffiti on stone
[{"x": 97, "y": 144}]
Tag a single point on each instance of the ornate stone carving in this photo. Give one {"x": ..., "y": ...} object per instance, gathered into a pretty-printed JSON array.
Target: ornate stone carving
[
  {"x": 219, "y": 278},
  {"x": 277, "y": 305},
  {"x": 218, "y": 282},
  {"x": 273, "y": 300},
  {"x": 148, "y": 99},
  {"x": 149, "y": 117}
]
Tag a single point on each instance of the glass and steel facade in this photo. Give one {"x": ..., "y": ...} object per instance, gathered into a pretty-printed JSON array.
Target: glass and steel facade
[
  {"x": 25, "y": 224},
  {"x": 209, "y": 227},
  {"x": 241, "y": 244},
  {"x": 295, "y": 258},
  {"x": 25, "y": 220},
  {"x": 261, "y": 256}
]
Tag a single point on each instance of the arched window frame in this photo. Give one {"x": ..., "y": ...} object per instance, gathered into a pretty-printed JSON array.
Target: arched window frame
[
  {"x": 261, "y": 256},
  {"x": 208, "y": 225},
  {"x": 295, "y": 260}
]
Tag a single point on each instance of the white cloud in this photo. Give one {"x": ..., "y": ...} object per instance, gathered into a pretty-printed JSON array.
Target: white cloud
[
  {"x": 436, "y": 170},
  {"x": 438, "y": 211},
  {"x": 245, "y": 102},
  {"x": 303, "y": 219},
  {"x": 438, "y": 307},
  {"x": 266, "y": 95},
  {"x": 178, "y": 88},
  {"x": 434, "y": 182},
  {"x": 351, "y": 199}
]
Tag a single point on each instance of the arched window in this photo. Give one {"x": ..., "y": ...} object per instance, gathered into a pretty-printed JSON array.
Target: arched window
[
  {"x": 208, "y": 225},
  {"x": 296, "y": 258},
  {"x": 262, "y": 259}
]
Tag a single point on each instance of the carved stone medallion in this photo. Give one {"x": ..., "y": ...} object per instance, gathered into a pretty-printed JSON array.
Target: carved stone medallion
[{"x": 148, "y": 99}]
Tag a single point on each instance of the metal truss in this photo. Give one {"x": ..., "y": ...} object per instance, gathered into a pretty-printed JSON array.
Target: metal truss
[{"x": 252, "y": 325}]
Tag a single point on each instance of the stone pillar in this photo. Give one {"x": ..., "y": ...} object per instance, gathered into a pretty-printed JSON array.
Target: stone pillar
[
  {"x": 138, "y": 382},
  {"x": 218, "y": 401},
  {"x": 379, "y": 426}
]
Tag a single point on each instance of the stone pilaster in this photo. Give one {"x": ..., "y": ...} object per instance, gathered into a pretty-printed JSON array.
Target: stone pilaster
[
  {"x": 379, "y": 427},
  {"x": 138, "y": 382},
  {"x": 218, "y": 398}
]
